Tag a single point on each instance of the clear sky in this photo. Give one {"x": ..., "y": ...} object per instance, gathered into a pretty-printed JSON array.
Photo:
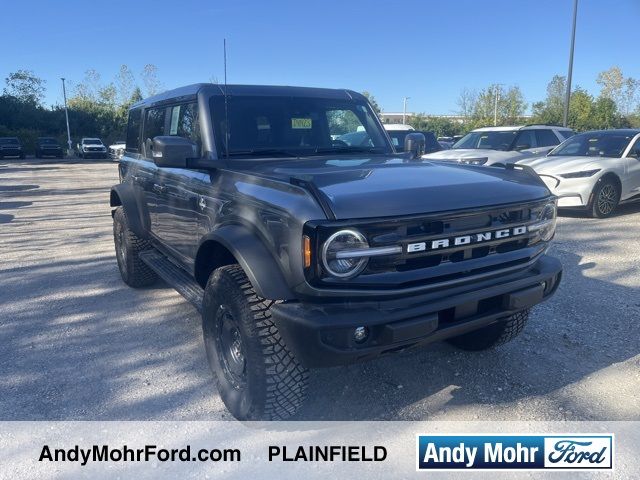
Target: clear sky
[{"x": 427, "y": 50}]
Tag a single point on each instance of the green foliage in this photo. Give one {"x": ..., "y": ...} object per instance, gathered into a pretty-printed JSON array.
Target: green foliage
[
  {"x": 26, "y": 87},
  {"x": 611, "y": 109},
  {"x": 96, "y": 109},
  {"x": 441, "y": 127}
]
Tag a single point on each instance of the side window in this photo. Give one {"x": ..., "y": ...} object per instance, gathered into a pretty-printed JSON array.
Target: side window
[
  {"x": 525, "y": 139},
  {"x": 133, "y": 130},
  {"x": 154, "y": 126},
  {"x": 184, "y": 122},
  {"x": 634, "y": 151},
  {"x": 546, "y": 138}
]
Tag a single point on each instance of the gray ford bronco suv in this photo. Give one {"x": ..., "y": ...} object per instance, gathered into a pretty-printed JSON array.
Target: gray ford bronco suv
[{"x": 302, "y": 250}]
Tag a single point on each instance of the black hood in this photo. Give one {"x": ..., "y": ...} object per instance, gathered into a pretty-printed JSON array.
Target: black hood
[{"x": 392, "y": 186}]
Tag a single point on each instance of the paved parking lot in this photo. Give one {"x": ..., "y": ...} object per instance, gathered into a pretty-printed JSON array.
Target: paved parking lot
[{"x": 76, "y": 343}]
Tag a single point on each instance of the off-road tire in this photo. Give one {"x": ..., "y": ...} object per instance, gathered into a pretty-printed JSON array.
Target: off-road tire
[
  {"x": 605, "y": 198},
  {"x": 492, "y": 335},
  {"x": 268, "y": 383},
  {"x": 133, "y": 270}
]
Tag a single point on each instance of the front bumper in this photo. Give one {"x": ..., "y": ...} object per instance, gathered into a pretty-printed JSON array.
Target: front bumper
[
  {"x": 571, "y": 192},
  {"x": 322, "y": 335},
  {"x": 94, "y": 154},
  {"x": 11, "y": 152}
]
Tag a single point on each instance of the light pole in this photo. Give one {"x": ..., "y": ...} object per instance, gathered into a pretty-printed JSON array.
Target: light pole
[
  {"x": 567, "y": 95},
  {"x": 404, "y": 110},
  {"x": 66, "y": 114},
  {"x": 496, "y": 94}
]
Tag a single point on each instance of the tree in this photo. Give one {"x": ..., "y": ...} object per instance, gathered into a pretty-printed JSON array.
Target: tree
[
  {"x": 150, "y": 80},
  {"x": 481, "y": 107},
  {"x": 441, "y": 127},
  {"x": 621, "y": 90},
  {"x": 372, "y": 101},
  {"x": 26, "y": 87},
  {"x": 125, "y": 84},
  {"x": 605, "y": 114},
  {"x": 466, "y": 102},
  {"x": 551, "y": 110},
  {"x": 580, "y": 110}
]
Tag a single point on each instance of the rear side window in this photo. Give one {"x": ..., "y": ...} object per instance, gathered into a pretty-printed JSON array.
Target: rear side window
[
  {"x": 526, "y": 139},
  {"x": 546, "y": 138},
  {"x": 133, "y": 130},
  {"x": 154, "y": 126},
  {"x": 184, "y": 122}
]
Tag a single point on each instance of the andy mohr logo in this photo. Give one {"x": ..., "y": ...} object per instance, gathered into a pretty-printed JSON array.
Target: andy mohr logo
[{"x": 515, "y": 452}]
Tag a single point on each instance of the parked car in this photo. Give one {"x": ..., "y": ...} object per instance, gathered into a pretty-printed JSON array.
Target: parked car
[
  {"x": 48, "y": 147},
  {"x": 445, "y": 145},
  {"x": 497, "y": 146},
  {"x": 116, "y": 149},
  {"x": 594, "y": 170},
  {"x": 301, "y": 251},
  {"x": 398, "y": 136},
  {"x": 11, "y": 147},
  {"x": 92, "y": 148}
]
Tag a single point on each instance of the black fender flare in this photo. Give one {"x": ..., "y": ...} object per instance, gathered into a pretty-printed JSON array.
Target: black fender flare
[
  {"x": 258, "y": 263},
  {"x": 124, "y": 195}
]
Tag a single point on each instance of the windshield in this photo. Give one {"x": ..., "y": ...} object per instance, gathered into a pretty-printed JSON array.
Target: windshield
[
  {"x": 92, "y": 141},
  {"x": 595, "y": 144},
  {"x": 266, "y": 126},
  {"x": 495, "y": 140},
  {"x": 9, "y": 141}
]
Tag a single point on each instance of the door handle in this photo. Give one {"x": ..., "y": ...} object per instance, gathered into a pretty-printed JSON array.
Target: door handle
[{"x": 159, "y": 188}]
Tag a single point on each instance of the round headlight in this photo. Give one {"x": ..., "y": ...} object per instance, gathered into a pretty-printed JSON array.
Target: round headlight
[
  {"x": 546, "y": 222},
  {"x": 335, "y": 254}
]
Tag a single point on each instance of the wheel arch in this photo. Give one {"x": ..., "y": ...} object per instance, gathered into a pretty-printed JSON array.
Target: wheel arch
[
  {"x": 123, "y": 195},
  {"x": 236, "y": 244}
]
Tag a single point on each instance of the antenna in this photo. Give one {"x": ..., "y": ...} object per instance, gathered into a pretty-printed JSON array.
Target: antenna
[{"x": 226, "y": 109}]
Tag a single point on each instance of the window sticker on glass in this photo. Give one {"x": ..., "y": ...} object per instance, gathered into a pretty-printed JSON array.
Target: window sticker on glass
[
  {"x": 175, "y": 116},
  {"x": 301, "y": 123}
]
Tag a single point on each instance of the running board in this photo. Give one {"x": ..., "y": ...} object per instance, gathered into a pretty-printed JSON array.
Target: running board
[{"x": 174, "y": 276}]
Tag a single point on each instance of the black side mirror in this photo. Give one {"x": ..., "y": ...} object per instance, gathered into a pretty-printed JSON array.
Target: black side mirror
[
  {"x": 414, "y": 143},
  {"x": 170, "y": 151}
]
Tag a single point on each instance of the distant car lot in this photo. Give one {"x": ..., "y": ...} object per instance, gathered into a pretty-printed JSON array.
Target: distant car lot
[{"x": 79, "y": 344}]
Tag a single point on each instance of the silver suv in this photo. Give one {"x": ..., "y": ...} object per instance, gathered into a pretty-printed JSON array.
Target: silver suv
[{"x": 497, "y": 146}]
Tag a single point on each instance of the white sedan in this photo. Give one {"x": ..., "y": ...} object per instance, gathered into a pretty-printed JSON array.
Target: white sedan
[{"x": 593, "y": 170}]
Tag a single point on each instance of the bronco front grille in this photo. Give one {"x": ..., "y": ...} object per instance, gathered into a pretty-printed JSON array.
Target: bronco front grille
[{"x": 447, "y": 263}]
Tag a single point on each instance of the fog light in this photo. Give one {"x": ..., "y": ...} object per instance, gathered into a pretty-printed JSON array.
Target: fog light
[{"x": 361, "y": 334}]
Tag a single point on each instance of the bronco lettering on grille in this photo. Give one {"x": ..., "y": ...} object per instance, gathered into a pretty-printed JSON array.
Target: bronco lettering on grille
[{"x": 466, "y": 239}]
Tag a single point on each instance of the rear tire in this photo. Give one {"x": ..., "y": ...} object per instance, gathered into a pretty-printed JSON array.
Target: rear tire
[
  {"x": 133, "y": 270},
  {"x": 257, "y": 376},
  {"x": 605, "y": 198},
  {"x": 492, "y": 335}
]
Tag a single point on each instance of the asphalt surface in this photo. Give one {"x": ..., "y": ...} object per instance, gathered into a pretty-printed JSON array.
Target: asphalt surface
[{"x": 78, "y": 344}]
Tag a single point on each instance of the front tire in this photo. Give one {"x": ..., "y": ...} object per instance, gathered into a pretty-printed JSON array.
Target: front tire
[
  {"x": 257, "y": 376},
  {"x": 133, "y": 270},
  {"x": 492, "y": 335},
  {"x": 605, "y": 198}
]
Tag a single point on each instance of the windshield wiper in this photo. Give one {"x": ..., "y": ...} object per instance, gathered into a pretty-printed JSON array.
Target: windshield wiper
[
  {"x": 349, "y": 149},
  {"x": 257, "y": 152}
]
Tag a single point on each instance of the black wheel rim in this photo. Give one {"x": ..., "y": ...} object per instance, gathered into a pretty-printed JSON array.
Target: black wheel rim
[
  {"x": 230, "y": 347},
  {"x": 606, "y": 199}
]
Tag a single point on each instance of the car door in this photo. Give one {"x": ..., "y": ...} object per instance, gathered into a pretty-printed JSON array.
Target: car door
[{"x": 174, "y": 221}]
